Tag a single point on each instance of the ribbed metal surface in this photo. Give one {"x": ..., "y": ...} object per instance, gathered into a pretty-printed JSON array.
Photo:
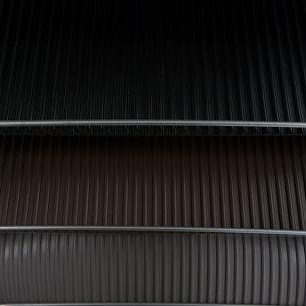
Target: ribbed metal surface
[
  {"x": 239, "y": 182},
  {"x": 147, "y": 267},
  {"x": 197, "y": 60}
]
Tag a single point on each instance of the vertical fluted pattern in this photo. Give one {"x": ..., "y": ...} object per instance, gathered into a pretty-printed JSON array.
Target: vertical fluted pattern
[
  {"x": 151, "y": 267},
  {"x": 240, "y": 182},
  {"x": 178, "y": 59}
]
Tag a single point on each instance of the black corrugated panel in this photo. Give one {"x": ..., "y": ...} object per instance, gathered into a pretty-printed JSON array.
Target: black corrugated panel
[
  {"x": 188, "y": 60},
  {"x": 46, "y": 267},
  {"x": 239, "y": 182}
]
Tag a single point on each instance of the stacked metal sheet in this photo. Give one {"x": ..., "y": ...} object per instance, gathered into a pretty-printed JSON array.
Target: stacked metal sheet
[
  {"x": 253, "y": 182},
  {"x": 150, "y": 220},
  {"x": 115, "y": 220},
  {"x": 195, "y": 62},
  {"x": 150, "y": 267}
]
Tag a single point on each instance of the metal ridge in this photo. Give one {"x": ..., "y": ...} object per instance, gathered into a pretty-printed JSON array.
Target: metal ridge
[
  {"x": 174, "y": 123},
  {"x": 161, "y": 229},
  {"x": 128, "y": 304}
]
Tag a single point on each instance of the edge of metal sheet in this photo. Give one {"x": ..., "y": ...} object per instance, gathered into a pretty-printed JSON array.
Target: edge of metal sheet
[
  {"x": 128, "y": 304},
  {"x": 173, "y": 123},
  {"x": 161, "y": 229}
]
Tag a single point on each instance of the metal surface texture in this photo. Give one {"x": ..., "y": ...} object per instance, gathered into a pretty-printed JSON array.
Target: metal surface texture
[
  {"x": 152, "y": 220},
  {"x": 151, "y": 229},
  {"x": 153, "y": 123},
  {"x": 190, "y": 61},
  {"x": 231, "y": 182},
  {"x": 126, "y": 304},
  {"x": 152, "y": 267}
]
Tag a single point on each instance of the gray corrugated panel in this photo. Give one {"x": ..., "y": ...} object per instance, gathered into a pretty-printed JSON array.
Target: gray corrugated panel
[
  {"x": 152, "y": 267},
  {"x": 153, "y": 59},
  {"x": 152, "y": 229},
  {"x": 238, "y": 182}
]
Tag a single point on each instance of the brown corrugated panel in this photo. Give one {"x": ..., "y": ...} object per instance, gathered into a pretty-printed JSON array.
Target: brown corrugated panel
[
  {"x": 205, "y": 182},
  {"x": 152, "y": 267}
]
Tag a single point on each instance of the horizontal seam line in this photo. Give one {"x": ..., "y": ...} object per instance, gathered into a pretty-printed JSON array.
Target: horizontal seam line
[
  {"x": 178, "y": 123},
  {"x": 155, "y": 229}
]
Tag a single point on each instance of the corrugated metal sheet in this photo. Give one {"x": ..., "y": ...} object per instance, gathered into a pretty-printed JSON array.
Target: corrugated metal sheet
[
  {"x": 148, "y": 267},
  {"x": 198, "y": 60},
  {"x": 239, "y": 182}
]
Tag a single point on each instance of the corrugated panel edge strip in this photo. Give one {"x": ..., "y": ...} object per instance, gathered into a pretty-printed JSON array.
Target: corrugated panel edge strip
[
  {"x": 156, "y": 229},
  {"x": 128, "y": 304},
  {"x": 173, "y": 123}
]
